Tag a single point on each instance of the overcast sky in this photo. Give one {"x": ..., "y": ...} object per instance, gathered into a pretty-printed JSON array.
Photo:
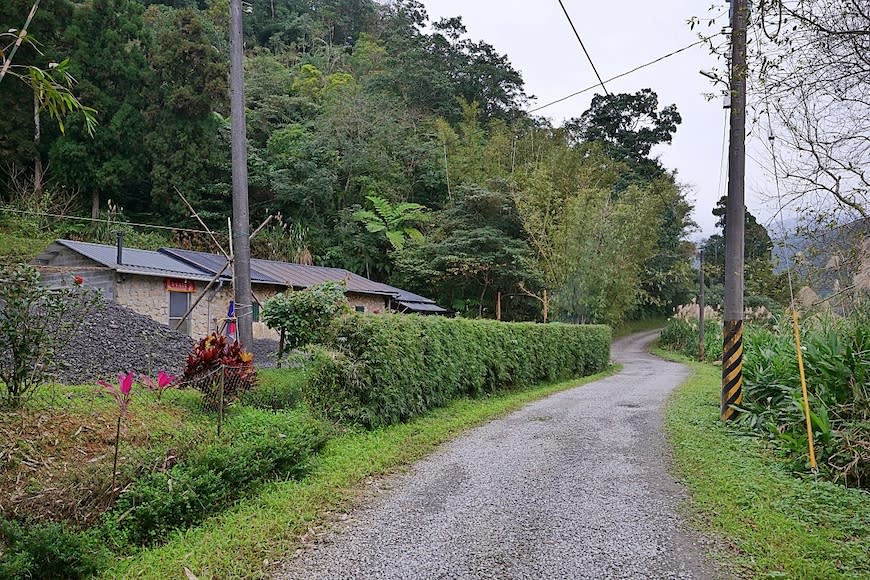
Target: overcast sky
[{"x": 620, "y": 35}]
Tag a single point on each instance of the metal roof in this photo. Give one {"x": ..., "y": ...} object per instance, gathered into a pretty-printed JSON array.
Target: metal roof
[
  {"x": 191, "y": 265},
  {"x": 422, "y": 306},
  {"x": 214, "y": 263},
  {"x": 143, "y": 262}
]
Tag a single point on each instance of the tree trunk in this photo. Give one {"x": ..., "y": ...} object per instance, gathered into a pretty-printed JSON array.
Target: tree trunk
[
  {"x": 37, "y": 156},
  {"x": 95, "y": 204}
]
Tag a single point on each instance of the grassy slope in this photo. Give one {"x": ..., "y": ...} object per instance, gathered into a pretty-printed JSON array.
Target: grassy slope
[
  {"x": 20, "y": 249},
  {"x": 247, "y": 540},
  {"x": 774, "y": 524}
]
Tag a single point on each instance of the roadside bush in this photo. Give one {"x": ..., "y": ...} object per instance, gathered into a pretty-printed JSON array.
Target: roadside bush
[
  {"x": 681, "y": 335},
  {"x": 303, "y": 316},
  {"x": 390, "y": 368},
  {"x": 258, "y": 446},
  {"x": 50, "y": 550}
]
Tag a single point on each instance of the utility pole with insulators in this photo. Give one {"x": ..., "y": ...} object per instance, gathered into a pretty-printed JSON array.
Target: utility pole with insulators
[
  {"x": 241, "y": 219},
  {"x": 732, "y": 351}
]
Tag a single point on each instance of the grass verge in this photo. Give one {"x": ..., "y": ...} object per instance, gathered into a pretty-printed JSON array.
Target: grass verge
[
  {"x": 248, "y": 540},
  {"x": 774, "y": 525}
]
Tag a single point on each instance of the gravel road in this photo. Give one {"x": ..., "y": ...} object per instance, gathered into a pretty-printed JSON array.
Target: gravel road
[{"x": 572, "y": 486}]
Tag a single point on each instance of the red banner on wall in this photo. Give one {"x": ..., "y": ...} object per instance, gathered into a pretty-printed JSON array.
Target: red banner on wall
[{"x": 176, "y": 285}]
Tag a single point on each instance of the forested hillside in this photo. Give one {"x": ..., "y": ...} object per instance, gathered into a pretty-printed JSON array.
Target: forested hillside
[{"x": 389, "y": 145}]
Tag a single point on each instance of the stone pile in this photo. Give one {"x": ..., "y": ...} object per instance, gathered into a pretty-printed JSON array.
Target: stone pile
[{"x": 114, "y": 339}]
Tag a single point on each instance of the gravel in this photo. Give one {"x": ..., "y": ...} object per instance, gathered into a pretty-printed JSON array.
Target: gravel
[
  {"x": 114, "y": 339},
  {"x": 573, "y": 486}
]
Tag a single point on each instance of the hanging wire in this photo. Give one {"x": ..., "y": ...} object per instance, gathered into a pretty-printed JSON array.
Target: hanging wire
[{"x": 101, "y": 220}]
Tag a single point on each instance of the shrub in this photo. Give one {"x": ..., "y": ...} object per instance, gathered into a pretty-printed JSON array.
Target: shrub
[
  {"x": 302, "y": 317},
  {"x": 33, "y": 319},
  {"x": 50, "y": 550},
  {"x": 390, "y": 368},
  {"x": 277, "y": 389},
  {"x": 681, "y": 335},
  {"x": 257, "y": 446},
  {"x": 205, "y": 361}
]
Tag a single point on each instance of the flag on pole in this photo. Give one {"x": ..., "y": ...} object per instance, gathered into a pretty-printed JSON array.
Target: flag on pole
[{"x": 231, "y": 321}]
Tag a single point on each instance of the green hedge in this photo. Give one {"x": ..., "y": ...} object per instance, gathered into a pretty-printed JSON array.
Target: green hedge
[{"x": 390, "y": 368}]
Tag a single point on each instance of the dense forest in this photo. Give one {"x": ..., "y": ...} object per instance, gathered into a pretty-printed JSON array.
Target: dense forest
[{"x": 382, "y": 142}]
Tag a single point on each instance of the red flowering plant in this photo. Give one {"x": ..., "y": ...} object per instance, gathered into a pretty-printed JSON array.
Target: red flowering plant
[
  {"x": 208, "y": 357},
  {"x": 123, "y": 395}
]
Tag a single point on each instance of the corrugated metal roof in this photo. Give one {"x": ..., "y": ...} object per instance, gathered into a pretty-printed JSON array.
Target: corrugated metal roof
[
  {"x": 143, "y": 262},
  {"x": 422, "y": 306},
  {"x": 214, "y": 262},
  {"x": 191, "y": 265}
]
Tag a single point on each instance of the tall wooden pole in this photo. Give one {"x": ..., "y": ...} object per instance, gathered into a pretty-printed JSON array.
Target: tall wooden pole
[
  {"x": 732, "y": 351},
  {"x": 241, "y": 217}
]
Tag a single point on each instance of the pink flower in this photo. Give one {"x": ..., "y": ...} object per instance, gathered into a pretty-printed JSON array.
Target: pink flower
[
  {"x": 121, "y": 393},
  {"x": 163, "y": 381},
  {"x": 78, "y": 280}
]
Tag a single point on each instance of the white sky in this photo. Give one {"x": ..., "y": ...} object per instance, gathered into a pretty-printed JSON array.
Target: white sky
[{"x": 619, "y": 35}]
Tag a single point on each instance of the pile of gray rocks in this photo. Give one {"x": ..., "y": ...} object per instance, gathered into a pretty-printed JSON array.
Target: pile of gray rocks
[{"x": 114, "y": 339}]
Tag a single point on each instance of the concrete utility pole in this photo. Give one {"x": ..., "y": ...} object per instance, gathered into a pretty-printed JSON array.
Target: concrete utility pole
[
  {"x": 241, "y": 219},
  {"x": 732, "y": 351}
]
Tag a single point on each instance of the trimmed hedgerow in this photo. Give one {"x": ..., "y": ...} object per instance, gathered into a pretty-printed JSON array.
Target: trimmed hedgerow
[{"x": 390, "y": 368}]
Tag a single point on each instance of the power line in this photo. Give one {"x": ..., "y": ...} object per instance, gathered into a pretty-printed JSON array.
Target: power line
[
  {"x": 101, "y": 220},
  {"x": 583, "y": 46},
  {"x": 619, "y": 76}
]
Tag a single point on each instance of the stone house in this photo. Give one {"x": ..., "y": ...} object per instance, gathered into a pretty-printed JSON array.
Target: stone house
[{"x": 165, "y": 284}]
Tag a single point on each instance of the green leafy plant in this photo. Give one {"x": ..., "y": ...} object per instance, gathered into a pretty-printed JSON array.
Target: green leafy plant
[
  {"x": 396, "y": 222},
  {"x": 50, "y": 550},
  {"x": 302, "y": 317},
  {"x": 33, "y": 320}
]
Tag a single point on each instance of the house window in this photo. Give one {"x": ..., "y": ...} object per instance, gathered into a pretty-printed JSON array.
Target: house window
[
  {"x": 359, "y": 308},
  {"x": 255, "y": 311},
  {"x": 179, "y": 302}
]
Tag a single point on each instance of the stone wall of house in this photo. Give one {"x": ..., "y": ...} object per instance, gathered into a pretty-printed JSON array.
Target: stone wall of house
[
  {"x": 148, "y": 296},
  {"x": 57, "y": 266},
  {"x": 373, "y": 304}
]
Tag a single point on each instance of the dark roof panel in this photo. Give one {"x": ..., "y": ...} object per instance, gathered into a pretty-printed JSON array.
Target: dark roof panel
[
  {"x": 214, "y": 263},
  {"x": 135, "y": 261},
  {"x": 422, "y": 307}
]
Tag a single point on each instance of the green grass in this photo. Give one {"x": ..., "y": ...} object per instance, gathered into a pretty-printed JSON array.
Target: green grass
[
  {"x": 772, "y": 524},
  {"x": 631, "y": 326},
  {"x": 249, "y": 539}
]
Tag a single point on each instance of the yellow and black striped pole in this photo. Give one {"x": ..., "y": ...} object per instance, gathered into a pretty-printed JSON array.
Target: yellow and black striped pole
[
  {"x": 735, "y": 216},
  {"x": 732, "y": 368}
]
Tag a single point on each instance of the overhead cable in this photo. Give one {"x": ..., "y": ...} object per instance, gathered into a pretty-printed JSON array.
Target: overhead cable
[
  {"x": 583, "y": 46},
  {"x": 619, "y": 76}
]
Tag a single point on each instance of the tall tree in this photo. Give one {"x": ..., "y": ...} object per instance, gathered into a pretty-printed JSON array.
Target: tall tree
[
  {"x": 189, "y": 85},
  {"x": 106, "y": 39}
]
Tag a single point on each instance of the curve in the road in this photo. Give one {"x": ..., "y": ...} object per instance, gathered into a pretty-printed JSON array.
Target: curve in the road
[{"x": 573, "y": 486}]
